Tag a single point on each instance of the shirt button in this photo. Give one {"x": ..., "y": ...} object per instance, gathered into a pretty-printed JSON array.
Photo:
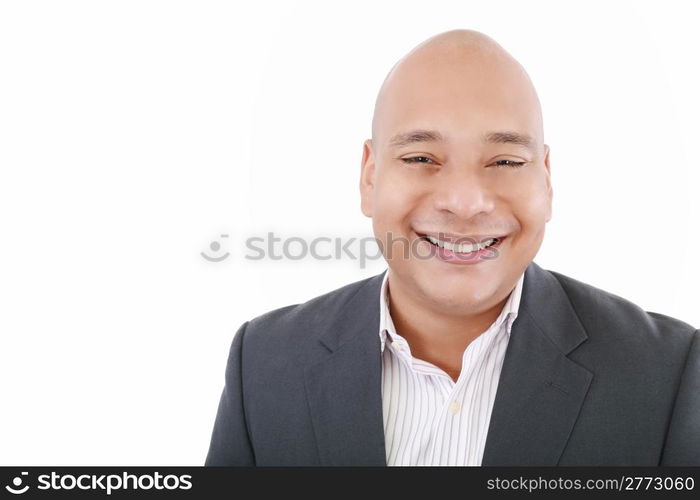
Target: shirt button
[
  {"x": 454, "y": 407},
  {"x": 399, "y": 346}
]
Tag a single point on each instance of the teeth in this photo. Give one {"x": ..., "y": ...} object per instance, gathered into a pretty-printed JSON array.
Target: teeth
[{"x": 466, "y": 248}]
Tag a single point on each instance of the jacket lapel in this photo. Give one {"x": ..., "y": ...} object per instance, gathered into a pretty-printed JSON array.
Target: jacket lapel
[
  {"x": 344, "y": 389},
  {"x": 540, "y": 391}
]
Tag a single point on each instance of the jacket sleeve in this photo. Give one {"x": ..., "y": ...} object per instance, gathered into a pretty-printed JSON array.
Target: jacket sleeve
[
  {"x": 683, "y": 438},
  {"x": 230, "y": 443}
]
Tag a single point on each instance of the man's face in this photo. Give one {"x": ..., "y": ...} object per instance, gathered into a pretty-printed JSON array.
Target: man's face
[{"x": 436, "y": 168}]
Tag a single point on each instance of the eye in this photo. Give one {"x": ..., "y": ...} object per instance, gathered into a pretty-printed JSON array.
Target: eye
[
  {"x": 417, "y": 159},
  {"x": 510, "y": 163}
]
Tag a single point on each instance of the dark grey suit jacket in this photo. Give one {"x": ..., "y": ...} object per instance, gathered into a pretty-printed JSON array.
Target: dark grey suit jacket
[{"x": 588, "y": 378}]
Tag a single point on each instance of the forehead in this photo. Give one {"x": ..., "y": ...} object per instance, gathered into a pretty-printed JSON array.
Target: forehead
[{"x": 461, "y": 100}]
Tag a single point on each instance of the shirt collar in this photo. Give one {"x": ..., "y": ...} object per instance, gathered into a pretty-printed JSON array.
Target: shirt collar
[{"x": 508, "y": 313}]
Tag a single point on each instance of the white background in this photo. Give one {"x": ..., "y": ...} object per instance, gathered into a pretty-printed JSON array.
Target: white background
[{"x": 134, "y": 133}]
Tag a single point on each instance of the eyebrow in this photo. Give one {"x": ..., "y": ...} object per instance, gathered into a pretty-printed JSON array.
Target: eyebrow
[
  {"x": 406, "y": 138},
  {"x": 499, "y": 137},
  {"x": 509, "y": 138}
]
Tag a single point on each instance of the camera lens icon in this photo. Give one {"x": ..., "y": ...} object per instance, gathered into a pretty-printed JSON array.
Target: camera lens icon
[{"x": 17, "y": 482}]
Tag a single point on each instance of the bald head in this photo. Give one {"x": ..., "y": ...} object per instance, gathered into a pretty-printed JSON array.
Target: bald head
[{"x": 455, "y": 69}]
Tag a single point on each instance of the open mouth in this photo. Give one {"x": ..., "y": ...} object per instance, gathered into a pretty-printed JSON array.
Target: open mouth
[{"x": 469, "y": 245}]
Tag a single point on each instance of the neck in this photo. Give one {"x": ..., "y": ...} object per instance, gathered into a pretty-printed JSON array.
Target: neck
[{"x": 433, "y": 335}]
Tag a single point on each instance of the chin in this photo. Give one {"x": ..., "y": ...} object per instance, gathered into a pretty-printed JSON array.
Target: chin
[{"x": 455, "y": 293}]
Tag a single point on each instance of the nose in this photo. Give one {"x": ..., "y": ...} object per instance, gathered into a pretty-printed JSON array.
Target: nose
[{"x": 463, "y": 195}]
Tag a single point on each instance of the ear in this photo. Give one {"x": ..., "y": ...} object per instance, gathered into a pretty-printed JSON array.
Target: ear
[
  {"x": 548, "y": 180},
  {"x": 368, "y": 169}
]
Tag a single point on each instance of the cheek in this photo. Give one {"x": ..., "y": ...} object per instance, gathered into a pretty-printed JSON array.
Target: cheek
[
  {"x": 531, "y": 204},
  {"x": 396, "y": 196},
  {"x": 396, "y": 199}
]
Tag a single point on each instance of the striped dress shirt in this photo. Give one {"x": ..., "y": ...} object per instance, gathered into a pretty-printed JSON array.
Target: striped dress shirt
[{"x": 429, "y": 419}]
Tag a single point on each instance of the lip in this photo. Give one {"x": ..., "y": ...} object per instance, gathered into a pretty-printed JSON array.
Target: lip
[
  {"x": 460, "y": 238},
  {"x": 469, "y": 259}
]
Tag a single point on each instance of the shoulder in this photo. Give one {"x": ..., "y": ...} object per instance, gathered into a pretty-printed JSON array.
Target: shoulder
[
  {"x": 295, "y": 324},
  {"x": 607, "y": 317}
]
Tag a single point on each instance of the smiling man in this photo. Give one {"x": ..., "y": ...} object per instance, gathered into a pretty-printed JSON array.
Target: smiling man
[{"x": 465, "y": 352}]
